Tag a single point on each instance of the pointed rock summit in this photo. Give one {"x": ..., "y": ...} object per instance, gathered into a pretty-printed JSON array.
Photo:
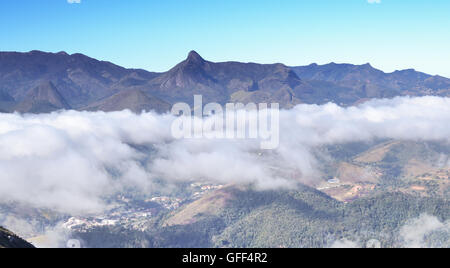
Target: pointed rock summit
[
  {"x": 190, "y": 74},
  {"x": 195, "y": 57}
]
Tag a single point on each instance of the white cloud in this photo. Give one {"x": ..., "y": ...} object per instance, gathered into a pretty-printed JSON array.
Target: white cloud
[
  {"x": 345, "y": 243},
  {"x": 414, "y": 233},
  {"x": 74, "y": 1},
  {"x": 374, "y": 1},
  {"x": 69, "y": 161},
  {"x": 425, "y": 231}
]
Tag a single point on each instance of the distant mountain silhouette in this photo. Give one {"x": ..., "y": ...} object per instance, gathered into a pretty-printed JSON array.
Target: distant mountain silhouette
[
  {"x": 41, "y": 82},
  {"x": 364, "y": 81},
  {"x": 228, "y": 81},
  {"x": 79, "y": 79},
  {"x": 43, "y": 99},
  {"x": 134, "y": 100},
  {"x": 6, "y": 102},
  {"x": 5, "y": 97}
]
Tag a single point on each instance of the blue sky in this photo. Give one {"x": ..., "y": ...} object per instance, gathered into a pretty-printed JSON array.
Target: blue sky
[{"x": 157, "y": 34}]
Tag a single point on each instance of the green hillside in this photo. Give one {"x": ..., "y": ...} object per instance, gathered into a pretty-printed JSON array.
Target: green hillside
[{"x": 236, "y": 217}]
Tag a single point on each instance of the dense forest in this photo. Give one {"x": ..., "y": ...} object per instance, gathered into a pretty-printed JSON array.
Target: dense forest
[{"x": 301, "y": 218}]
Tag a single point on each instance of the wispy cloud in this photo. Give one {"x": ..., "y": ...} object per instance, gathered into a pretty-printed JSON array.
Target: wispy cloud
[
  {"x": 374, "y": 1},
  {"x": 74, "y": 1},
  {"x": 417, "y": 233}
]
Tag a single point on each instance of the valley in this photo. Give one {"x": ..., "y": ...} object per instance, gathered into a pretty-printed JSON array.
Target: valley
[{"x": 358, "y": 199}]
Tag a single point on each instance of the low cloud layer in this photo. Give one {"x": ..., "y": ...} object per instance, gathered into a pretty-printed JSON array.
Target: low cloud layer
[{"x": 69, "y": 161}]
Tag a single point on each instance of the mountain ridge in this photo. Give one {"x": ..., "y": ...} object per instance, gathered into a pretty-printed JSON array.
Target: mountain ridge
[
  {"x": 84, "y": 82},
  {"x": 370, "y": 82}
]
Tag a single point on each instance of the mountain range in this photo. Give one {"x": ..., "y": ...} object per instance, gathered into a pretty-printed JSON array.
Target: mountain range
[{"x": 40, "y": 82}]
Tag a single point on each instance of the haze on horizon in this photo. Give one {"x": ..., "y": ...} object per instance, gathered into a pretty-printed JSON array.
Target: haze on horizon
[{"x": 155, "y": 35}]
